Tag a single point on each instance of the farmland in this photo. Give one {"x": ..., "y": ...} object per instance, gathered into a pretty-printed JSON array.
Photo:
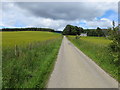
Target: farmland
[
  {"x": 30, "y": 64},
  {"x": 25, "y": 37},
  {"x": 97, "y": 49}
]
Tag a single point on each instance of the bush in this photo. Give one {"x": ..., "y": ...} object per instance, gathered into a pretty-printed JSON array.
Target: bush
[{"x": 115, "y": 46}]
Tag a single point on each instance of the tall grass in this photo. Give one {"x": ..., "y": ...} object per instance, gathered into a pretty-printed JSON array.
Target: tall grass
[
  {"x": 97, "y": 49},
  {"x": 32, "y": 67}
]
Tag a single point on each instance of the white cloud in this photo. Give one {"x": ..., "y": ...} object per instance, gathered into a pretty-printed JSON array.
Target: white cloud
[
  {"x": 67, "y": 11},
  {"x": 103, "y": 23},
  {"x": 56, "y": 16},
  {"x": 59, "y": 0}
]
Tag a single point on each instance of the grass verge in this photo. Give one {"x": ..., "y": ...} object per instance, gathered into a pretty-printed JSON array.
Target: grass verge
[
  {"x": 97, "y": 49},
  {"x": 31, "y": 66}
]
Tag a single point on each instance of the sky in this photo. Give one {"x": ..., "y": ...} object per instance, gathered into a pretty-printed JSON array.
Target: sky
[{"x": 57, "y": 15}]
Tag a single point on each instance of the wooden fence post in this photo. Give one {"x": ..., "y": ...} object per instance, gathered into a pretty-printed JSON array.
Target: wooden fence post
[{"x": 16, "y": 51}]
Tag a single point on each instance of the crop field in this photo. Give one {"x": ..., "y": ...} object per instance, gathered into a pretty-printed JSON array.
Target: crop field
[
  {"x": 25, "y": 37},
  {"x": 97, "y": 49},
  {"x": 29, "y": 66},
  {"x": 97, "y": 40}
]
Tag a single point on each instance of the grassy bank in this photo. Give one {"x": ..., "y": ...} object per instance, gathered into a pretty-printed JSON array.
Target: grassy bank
[
  {"x": 31, "y": 69},
  {"x": 97, "y": 49},
  {"x": 29, "y": 65}
]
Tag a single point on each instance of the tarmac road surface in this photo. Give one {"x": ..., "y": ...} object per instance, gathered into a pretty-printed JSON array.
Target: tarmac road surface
[{"x": 73, "y": 69}]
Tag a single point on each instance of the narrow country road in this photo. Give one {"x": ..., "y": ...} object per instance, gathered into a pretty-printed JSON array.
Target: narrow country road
[{"x": 73, "y": 69}]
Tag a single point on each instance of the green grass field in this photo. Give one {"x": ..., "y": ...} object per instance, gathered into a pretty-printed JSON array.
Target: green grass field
[
  {"x": 32, "y": 64},
  {"x": 97, "y": 40},
  {"x": 25, "y": 37},
  {"x": 97, "y": 49}
]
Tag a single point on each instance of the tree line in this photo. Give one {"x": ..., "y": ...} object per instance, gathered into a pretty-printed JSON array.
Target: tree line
[
  {"x": 28, "y": 29},
  {"x": 74, "y": 30},
  {"x": 98, "y": 32}
]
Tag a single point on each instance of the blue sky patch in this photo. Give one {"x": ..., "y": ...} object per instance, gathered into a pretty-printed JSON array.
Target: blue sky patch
[
  {"x": 19, "y": 24},
  {"x": 110, "y": 14}
]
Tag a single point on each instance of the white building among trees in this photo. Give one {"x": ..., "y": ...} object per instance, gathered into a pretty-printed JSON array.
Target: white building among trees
[{"x": 83, "y": 34}]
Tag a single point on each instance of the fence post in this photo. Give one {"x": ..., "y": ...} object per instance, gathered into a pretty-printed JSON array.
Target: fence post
[{"x": 16, "y": 51}]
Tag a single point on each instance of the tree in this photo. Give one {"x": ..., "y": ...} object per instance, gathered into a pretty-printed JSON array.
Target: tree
[
  {"x": 100, "y": 32},
  {"x": 113, "y": 23},
  {"x": 72, "y": 30}
]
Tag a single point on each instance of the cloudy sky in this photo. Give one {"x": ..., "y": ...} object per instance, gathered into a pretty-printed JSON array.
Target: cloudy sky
[{"x": 57, "y": 15}]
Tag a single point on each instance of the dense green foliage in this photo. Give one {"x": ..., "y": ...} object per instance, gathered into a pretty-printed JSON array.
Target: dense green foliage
[
  {"x": 28, "y": 29},
  {"x": 115, "y": 46},
  {"x": 72, "y": 30},
  {"x": 32, "y": 67},
  {"x": 97, "y": 49},
  {"x": 98, "y": 32},
  {"x": 25, "y": 37}
]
